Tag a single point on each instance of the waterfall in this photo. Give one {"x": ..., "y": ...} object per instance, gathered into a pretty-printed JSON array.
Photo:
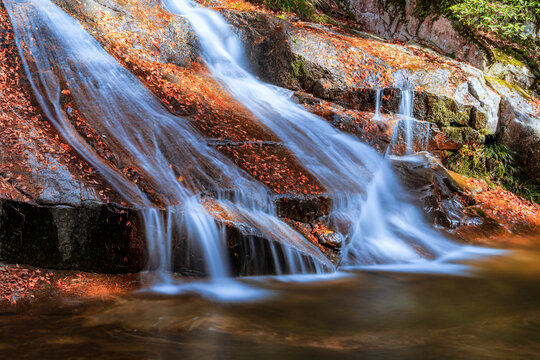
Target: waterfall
[
  {"x": 409, "y": 132},
  {"x": 406, "y": 116},
  {"x": 369, "y": 205},
  {"x": 377, "y": 115},
  {"x": 172, "y": 161}
]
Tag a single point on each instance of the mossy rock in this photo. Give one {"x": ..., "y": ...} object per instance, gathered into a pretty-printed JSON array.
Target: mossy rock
[
  {"x": 463, "y": 135},
  {"x": 444, "y": 111},
  {"x": 500, "y": 56},
  {"x": 524, "y": 93},
  {"x": 299, "y": 69}
]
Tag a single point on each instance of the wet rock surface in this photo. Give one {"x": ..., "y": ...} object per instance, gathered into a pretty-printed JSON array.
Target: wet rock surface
[
  {"x": 347, "y": 67},
  {"x": 441, "y": 197},
  {"x": 55, "y": 211},
  {"x": 344, "y": 68},
  {"x": 466, "y": 208}
]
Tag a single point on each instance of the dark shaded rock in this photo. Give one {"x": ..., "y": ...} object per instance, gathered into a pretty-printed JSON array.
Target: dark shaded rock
[
  {"x": 251, "y": 254},
  {"x": 441, "y": 198},
  {"x": 91, "y": 237},
  {"x": 266, "y": 43},
  {"x": 305, "y": 208}
]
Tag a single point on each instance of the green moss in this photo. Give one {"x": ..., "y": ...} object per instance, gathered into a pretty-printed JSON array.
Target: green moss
[
  {"x": 463, "y": 135},
  {"x": 323, "y": 19},
  {"x": 312, "y": 10},
  {"x": 503, "y": 57},
  {"x": 494, "y": 163},
  {"x": 505, "y": 19},
  {"x": 476, "y": 211},
  {"x": 469, "y": 161},
  {"x": 399, "y": 4},
  {"x": 299, "y": 72},
  {"x": 445, "y": 112},
  {"x": 424, "y": 8},
  {"x": 303, "y": 8},
  {"x": 528, "y": 55},
  {"x": 524, "y": 93}
]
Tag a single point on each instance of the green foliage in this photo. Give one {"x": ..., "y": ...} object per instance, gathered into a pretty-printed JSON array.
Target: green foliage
[
  {"x": 505, "y": 19},
  {"x": 495, "y": 164}
]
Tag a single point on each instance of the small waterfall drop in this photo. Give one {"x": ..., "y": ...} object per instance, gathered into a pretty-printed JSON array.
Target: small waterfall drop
[
  {"x": 377, "y": 115},
  {"x": 410, "y": 134},
  {"x": 169, "y": 156},
  {"x": 406, "y": 108},
  {"x": 368, "y": 202}
]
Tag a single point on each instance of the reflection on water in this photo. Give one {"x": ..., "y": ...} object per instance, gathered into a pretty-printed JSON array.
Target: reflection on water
[{"x": 362, "y": 314}]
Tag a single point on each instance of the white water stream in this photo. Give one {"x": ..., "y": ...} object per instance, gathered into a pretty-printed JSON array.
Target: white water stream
[
  {"x": 172, "y": 158},
  {"x": 369, "y": 205},
  {"x": 406, "y": 111},
  {"x": 377, "y": 115}
]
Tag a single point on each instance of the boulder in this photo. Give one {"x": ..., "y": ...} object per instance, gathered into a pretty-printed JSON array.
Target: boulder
[
  {"x": 398, "y": 22},
  {"x": 90, "y": 236},
  {"x": 171, "y": 36},
  {"x": 347, "y": 68},
  {"x": 443, "y": 200},
  {"x": 519, "y": 128},
  {"x": 55, "y": 211}
]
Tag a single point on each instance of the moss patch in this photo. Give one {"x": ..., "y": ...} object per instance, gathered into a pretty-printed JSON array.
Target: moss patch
[
  {"x": 445, "y": 112},
  {"x": 524, "y": 93},
  {"x": 503, "y": 57},
  {"x": 494, "y": 163},
  {"x": 325, "y": 12},
  {"x": 299, "y": 71},
  {"x": 463, "y": 135}
]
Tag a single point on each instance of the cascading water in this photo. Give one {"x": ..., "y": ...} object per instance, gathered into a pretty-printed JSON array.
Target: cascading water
[
  {"x": 377, "y": 115},
  {"x": 368, "y": 203},
  {"x": 406, "y": 114},
  {"x": 171, "y": 158},
  {"x": 409, "y": 132}
]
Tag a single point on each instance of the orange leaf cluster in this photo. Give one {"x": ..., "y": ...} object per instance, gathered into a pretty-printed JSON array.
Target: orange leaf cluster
[
  {"x": 508, "y": 209},
  {"x": 273, "y": 166},
  {"x": 16, "y": 282}
]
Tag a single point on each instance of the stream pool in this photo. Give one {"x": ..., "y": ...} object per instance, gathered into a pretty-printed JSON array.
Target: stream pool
[{"x": 491, "y": 313}]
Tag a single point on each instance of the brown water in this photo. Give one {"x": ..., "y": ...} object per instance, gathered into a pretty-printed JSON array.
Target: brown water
[{"x": 375, "y": 315}]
